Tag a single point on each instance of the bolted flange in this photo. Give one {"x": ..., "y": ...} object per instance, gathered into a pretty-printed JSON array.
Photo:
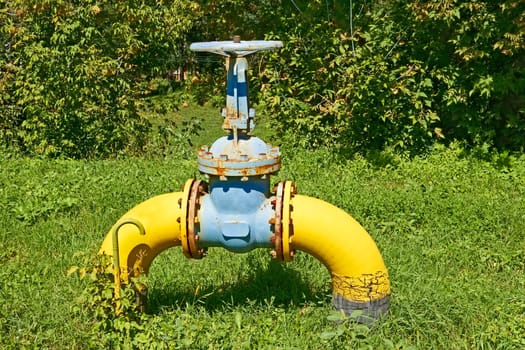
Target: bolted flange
[
  {"x": 193, "y": 189},
  {"x": 282, "y": 221}
]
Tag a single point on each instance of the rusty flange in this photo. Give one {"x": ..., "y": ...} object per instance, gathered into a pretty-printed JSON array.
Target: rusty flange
[
  {"x": 277, "y": 237},
  {"x": 287, "y": 223},
  {"x": 282, "y": 221},
  {"x": 246, "y": 157},
  {"x": 193, "y": 189}
]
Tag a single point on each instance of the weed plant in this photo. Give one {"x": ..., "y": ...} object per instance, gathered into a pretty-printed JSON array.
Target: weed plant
[{"x": 449, "y": 226}]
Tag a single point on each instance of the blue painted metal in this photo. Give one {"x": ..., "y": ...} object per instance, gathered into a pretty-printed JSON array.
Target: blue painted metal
[
  {"x": 237, "y": 113},
  {"x": 236, "y": 214}
]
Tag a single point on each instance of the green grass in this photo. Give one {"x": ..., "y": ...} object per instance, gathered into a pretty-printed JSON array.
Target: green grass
[{"x": 449, "y": 227}]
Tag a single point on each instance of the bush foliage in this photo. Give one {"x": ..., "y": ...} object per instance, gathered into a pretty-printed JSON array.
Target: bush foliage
[
  {"x": 356, "y": 74},
  {"x": 73, "y": 73},
  {"x": 399, "y": 73}
]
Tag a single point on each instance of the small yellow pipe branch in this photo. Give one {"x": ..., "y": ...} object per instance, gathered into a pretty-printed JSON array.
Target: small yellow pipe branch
[
  {"x": 159, "y": 217},
  {"x": 116, "y": 258}
]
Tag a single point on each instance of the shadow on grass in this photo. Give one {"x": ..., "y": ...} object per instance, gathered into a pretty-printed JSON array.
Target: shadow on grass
[{"x": 274, "y": 284}]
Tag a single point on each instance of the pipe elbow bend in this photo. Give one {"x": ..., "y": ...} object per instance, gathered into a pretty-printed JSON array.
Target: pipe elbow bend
[
  {"x": 155, "y": 228},
  {"x": 359, "y": 276}
]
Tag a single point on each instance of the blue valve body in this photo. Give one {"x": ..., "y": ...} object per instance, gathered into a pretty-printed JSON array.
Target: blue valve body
[{"x": 235, "y": 214}]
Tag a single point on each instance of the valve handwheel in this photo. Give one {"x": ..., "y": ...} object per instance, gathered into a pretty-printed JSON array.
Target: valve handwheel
[{"x": 236, "y": 47}]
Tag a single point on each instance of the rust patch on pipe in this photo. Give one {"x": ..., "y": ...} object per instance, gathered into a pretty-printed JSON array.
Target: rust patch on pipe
[{"x": 364, "y": 288}]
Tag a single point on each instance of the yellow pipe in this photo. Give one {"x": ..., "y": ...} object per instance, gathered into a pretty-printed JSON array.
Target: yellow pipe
[
  {"x": 159, "y": 217},
  {"x": 359, "y": 276}
]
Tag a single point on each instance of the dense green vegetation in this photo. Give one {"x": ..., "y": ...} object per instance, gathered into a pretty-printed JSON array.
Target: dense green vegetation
[
  {"x": 73, "y": 74},
  {"x": 449, "y": 226},
  {"x": 356, "y": 74},
  {"x": 401, "y": 73}
]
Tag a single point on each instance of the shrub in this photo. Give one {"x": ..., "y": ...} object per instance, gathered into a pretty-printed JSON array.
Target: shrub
[{"x": 72, "y": 74}]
